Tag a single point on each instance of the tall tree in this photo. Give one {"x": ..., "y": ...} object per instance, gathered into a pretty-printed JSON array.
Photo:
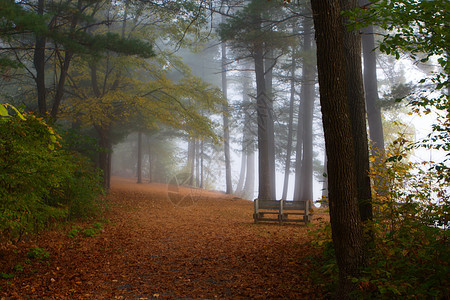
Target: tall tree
[
  {"x": 287, "y": 168},
  {"x": 307, "y": 95},
  {"x": 356, "y": 100},
  {"x": 345, "y": 220},
  {"x": 226, "y": 126}
]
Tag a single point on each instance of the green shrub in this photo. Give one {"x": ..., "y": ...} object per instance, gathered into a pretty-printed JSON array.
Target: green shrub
[
  {"x": 410, "y": 254},
  {"x": 40, "y": 183},
  {"x": 38, "y": 253}
]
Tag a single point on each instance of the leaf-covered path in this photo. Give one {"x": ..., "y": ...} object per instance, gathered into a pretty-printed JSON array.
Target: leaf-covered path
[{"x": 204, "y": 247}]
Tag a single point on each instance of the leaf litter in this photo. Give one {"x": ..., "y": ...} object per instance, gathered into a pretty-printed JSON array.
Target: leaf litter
[{"x": 152, "y": 248}]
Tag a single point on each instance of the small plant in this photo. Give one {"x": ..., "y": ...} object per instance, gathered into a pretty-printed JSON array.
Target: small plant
[
  {"x": 6, "y": 275},
  {"x": 93, "y": 230},
  {"x": 74, "y": 232},
  {"x": 38, "y": 253},
  {"x": 18, "y": 268}
]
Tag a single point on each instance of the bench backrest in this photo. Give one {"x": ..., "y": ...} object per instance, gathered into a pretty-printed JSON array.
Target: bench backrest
[
  {"x": 295, "y": 205},
  {"x": 281, "y": 204},
  {"x": 268, "y": 204}
]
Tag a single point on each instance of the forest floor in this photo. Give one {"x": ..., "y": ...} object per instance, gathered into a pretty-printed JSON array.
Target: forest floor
[{"x": 187, "y": 244}]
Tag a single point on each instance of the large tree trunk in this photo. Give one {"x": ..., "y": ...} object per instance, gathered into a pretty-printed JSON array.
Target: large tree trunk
[
  {"x": 226, "y": 127},
  {"x": 343, "y": 195},
  {"x": 307, "y": 95},
  {"x": 264, "y": 185},
  {"x": 356, "y": 100}
]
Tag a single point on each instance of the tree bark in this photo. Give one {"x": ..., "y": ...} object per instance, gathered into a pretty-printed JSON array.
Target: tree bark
[
  {"x": 240, "y": 185},
  {"x": 104, "y": 157},
  {"x": 264, "y": 185},
  {"x": 226, "y": 127},
  {"x": 287, "y": 168},
  {"x": 307, "y": 95},
  {"x": 343, "y": 195},
  {"x": 299, "y": 153},
  {"x": 139, "y": 157},
  {"x": 356, "y": 100},
  {"x": 269, "y": 63},
  {"x": 39, "y": 66},
  {"x": 372, "y": 103}
]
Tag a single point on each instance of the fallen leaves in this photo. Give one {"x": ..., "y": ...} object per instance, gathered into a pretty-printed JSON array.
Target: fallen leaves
[{"x": 153, "y": 249}]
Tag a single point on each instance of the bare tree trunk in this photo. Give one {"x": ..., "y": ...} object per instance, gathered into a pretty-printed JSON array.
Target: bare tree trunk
[
  {"x": 240, "y": 184},
  {"x": 355, "y": 95},
  {"x": 299, "y": 153},
  {"x": 191, "y": 160},
  {"x": 139, "y": 157},
  {"x": 197, "y": 163},
  {"x": 264, "y": 185},
  {"x": 343, "y": 195},
  {"x": 249, "y": 187},
  {"x": 325, "y": 182},
  {"x": 372, "y": 103},
  {"x": 226, "y": 127},
  {"x": 269, "y": 63},
  {"x": 39, "y": 65},
  {"x": 150, "y": 164},
  {"x": 287, "y": 166},
  {"x": 104, "y": 157},
  {"x": 202, "y": 185},
  {"x": 308, "y": 95}
]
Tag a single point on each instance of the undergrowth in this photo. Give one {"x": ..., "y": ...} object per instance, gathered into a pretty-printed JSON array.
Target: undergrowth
[
  {"x": 41, "y": 183},
  {"x": 408, "y": 254}
]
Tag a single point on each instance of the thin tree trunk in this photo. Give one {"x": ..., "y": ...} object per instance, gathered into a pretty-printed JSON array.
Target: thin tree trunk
[
  {"x": 269, "y": 63},
  {"x": 201, "y": 164},
  {"x": 39, "y": 65},
  {"x": 150, "y": 164},
  {"x": 343, "y": 195},
  {"x": 325, "y": 183},
  {"x": 287, "y": 166},
  {"x": 240, "y": 184},
  {"x": 249, "y": 187},
  {"x": 104, "y": 157},
  {"x": 139, "y": 157},
  {"x": 299, "y": 153},
  {"x": 197, "y": 163},
  {"x": 308, "y": 94},
  {"x": 356, "y": 100},
  {"x": 191, "y": 160},
  {"x": 372, "y": 104},
  {"x": 226, "y": 127}
]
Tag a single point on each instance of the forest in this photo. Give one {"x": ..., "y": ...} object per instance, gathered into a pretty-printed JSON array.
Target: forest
[{"x": 137, "y": 137}]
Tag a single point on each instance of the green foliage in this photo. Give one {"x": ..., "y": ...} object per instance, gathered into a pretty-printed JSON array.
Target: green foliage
[
  {"x": 420, "y": 30},
  {"x": 90, "y": 231},
  {"x": 410, "y": 254},
  {"x": 6, "y": 275},
  {"x": 38, "y": 253},
  {"x": 40, "y": 183}
]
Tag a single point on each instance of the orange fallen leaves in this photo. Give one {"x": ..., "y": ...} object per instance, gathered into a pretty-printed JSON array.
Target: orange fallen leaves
[{"x": 153, "y": 249}]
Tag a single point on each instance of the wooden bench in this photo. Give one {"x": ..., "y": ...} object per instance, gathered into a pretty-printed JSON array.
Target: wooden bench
[{"x": 282, "y": 211}]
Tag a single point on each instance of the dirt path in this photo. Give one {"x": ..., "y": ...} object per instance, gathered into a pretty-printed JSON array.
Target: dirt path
[{"x": 151, "y": 248}]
